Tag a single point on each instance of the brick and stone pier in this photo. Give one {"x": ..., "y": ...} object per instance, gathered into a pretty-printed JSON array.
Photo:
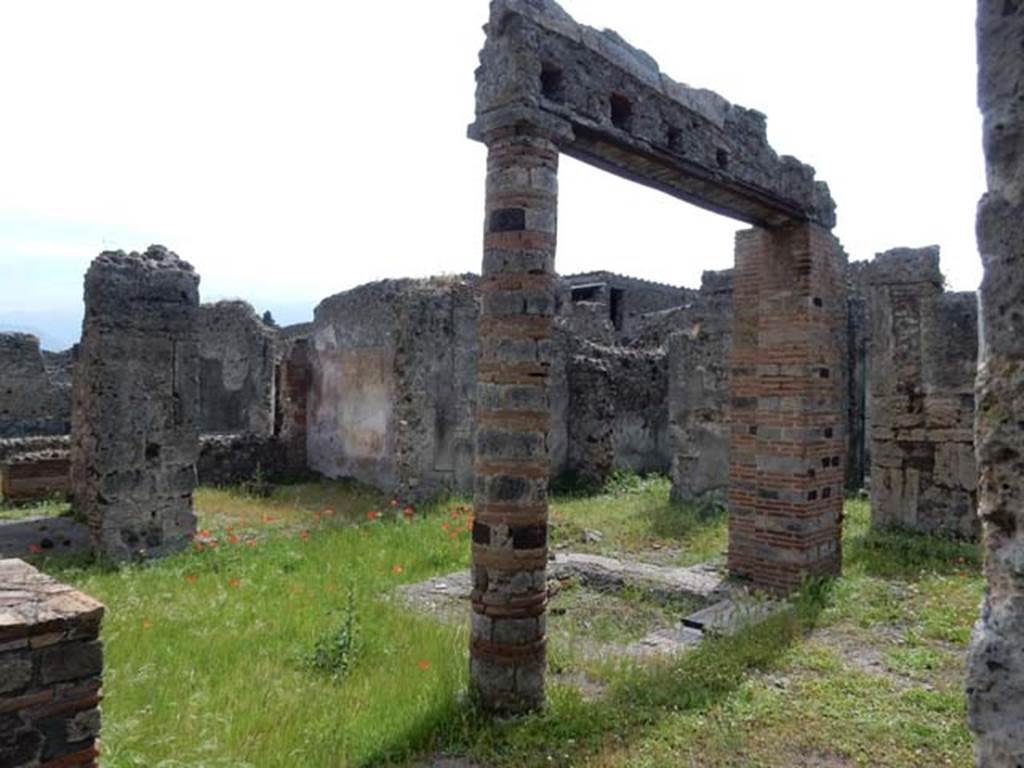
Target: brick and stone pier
[
  {"x": 135, "y": 431},
  {"x": 51, "y": 662},
  {"x": 513, "y": 419},
  {"x": 995, "y": 669}
]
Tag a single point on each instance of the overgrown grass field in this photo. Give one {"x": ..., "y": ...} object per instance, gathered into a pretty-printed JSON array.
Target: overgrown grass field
[{"x": 277, "y": 640}]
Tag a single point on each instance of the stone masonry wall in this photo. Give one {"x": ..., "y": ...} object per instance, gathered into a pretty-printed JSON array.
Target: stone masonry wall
[
  {"x": 923, "y": 360},
  {"x": 35, "y": 398},
  {"x": 995, "y": 668},
  {"x": 236, "y": 370},
  {"x": 51, "y": 666},
  {"x": 393, "y": 367},
  {"x": 135, "y": 408}
]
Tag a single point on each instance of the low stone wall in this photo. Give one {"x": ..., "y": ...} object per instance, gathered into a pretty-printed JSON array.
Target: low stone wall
[
  {"x": 36, "y": 476},
  {"x": 16, "y": 446},
  {"x": 51, "y": 666}
]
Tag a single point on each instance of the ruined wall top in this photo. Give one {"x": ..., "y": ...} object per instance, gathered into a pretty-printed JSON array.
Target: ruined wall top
[
  {"x": 607, "y": 103},
  {"x": 906, "y": 265},
  {"x": 117, "y": 280}
]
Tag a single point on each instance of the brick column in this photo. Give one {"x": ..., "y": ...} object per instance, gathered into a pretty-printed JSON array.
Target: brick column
[
  {"x": 787, "y": 406},
  {"x": 513, "y": 418}
]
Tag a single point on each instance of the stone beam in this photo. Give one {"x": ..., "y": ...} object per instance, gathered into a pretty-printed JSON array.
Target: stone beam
[{"x": 615, "y": 109}]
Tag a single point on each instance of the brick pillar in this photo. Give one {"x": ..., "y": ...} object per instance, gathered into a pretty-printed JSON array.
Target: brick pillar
[
  {"x": 51, "y": 667},
  {"x": 787, "y": 406},
  {"x": 513, "y": 418}
]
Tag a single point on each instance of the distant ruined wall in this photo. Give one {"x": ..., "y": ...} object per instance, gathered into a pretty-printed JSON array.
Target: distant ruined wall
[
  {"x": 617, "y": 416},
  {"x": 698, "y": 395},
  {"x": 620, "y": 299},
  {"x": 236, "y": 373},
  {"x": 995, "y": 666},
  {"x": 135, "y": 408},
  {"x": 923, "y": 358},
  {"x": 35, "y": 394}
]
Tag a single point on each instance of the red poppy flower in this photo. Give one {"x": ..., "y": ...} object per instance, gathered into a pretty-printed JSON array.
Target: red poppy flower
[
  {"x": 423, "y": 664},
  {"x": 445, "y": 526},
  {"x": 35, "y": 549},
  {"x": 232, "y": 539},
  {"x": 191, "y": 578},
  {"x": 396, "y": 569},
  {"x": 372, "y": 514},
  {"x": 234, "y": 582},
  {"x": 204, "y": 533}
]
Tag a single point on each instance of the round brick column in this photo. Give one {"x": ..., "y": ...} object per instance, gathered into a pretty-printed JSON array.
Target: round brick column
[{"x": 512, "y": 421}]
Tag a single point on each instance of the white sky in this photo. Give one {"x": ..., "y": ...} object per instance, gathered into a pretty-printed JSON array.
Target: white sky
[{"x": 294, "y": 149}]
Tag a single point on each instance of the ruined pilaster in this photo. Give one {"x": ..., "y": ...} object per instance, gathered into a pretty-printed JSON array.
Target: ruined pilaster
[
  {"x": 923, "y": 360},
  {"x": 513, "y": 419},
  {"x": 787, "y": 406},
  {"x": 995, "y": 674},
  {"x": 292, "y": 391},
  {"x": 135, "y": 436}
]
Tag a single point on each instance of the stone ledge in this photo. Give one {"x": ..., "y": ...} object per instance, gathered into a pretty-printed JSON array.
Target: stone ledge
[{"x": 32, "y": 603}]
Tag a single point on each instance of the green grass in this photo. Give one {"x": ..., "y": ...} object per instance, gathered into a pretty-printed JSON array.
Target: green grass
[
  {"x": 54, "y": 508},
  {"x": 209, "y": 653}
]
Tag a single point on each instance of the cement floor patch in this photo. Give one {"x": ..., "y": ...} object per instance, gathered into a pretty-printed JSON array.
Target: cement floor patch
[
  {"x": 42, "y": 535},
  {"x": 691, "y": 588}
]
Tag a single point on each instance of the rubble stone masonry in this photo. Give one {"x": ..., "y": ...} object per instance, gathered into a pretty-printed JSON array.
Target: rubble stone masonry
[
  {"x": 995, "y": 670},
  {"x": 51, "y": 663},
  {"x": 135, "y": 404},
  {"x": 33, "y": 399}
]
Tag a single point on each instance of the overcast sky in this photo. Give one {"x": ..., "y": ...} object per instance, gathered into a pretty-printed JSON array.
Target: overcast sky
[{"x": 292, "y": 150}]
